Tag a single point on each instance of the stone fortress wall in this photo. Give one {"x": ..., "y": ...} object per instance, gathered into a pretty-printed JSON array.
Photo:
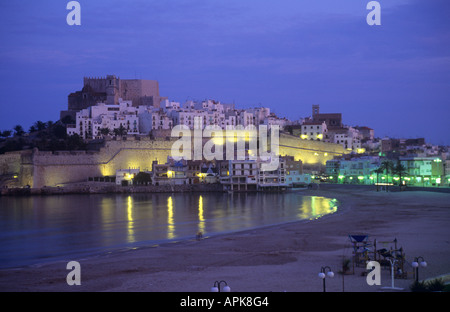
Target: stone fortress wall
[{"x": 38, "y": 168}]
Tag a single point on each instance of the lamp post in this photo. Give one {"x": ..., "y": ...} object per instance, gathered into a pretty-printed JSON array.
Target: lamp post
[
  {"x": 323, "y": 274},
  {"x": 415, "y": 264},
  {"x": 216, "y": 287}
]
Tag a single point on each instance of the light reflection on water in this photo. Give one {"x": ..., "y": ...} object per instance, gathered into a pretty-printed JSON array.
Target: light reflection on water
[{"x": 37, "y": 229}]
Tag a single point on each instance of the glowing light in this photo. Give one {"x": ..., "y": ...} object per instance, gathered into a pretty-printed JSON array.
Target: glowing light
[
  {"x": 360, "y": 178},
  {"x": 304, "y": 136},
  {"x": 131, "y": 236},
  {"x": 320, "y": 136},
  {"x": 361, "y": 150},
  {"x": 341, "y": 177},
  {"x": 170, "y": 224},
  {"x": 201, "y": 218},
  {"x": 170, "y": 173}
]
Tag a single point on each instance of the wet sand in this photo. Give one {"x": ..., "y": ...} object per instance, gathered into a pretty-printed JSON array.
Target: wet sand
[{"x": 280, "y": 258}]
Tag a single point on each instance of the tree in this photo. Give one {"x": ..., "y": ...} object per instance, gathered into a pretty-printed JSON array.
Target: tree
[
  {"x": 39, "y": 125},
  {"x": 49, "y": 124},
  {"x": 121, "y": 131},
  {"x": 75, "y": 142},
  {"x": 387, "y": 166},
  {"x": 399, "y": 170},
  {"x": 19, "y": 130},
  {"x": 142, "y": 178},
  {"x": 6, "y": 133},
  {"x": 59, "y": 131},
  {"x": 378, "y": 171},
  {"x": 68, "y": 120},
  {"x": 104, "y": 131}
]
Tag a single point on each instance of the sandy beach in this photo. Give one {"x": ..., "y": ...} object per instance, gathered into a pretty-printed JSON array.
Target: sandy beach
[{"x": 280, "y": 258}]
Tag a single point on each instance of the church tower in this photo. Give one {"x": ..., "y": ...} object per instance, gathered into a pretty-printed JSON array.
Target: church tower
[{"x": 112, "y": 89}]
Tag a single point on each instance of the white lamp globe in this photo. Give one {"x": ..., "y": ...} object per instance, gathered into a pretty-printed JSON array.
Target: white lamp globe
[
  {"x": 214, "y": 289},
  {"x": 330, "y": 274},
  {"x": 321, "y": 275},
  {"x": 423, "y": 264},
  {"x": 414, "y": 264},
  {"x": 226, "y": 288}
]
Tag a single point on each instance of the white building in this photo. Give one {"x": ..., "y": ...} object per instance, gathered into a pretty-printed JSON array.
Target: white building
[
  {"x": 153, "y": 119},
  {"x": 125, "y": 176},
  {"x": 93, "y": 121},
  {"x": 349, "y": 138},
  {"x": 268, "y": 179},
  {"x": 315, "y": 131},
  {"x": 273, "y": 120}
]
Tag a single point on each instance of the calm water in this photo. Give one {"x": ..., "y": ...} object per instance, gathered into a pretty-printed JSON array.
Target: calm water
[{"x": 40, "y": 229}]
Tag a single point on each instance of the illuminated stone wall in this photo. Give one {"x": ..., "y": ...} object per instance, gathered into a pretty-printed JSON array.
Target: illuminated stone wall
[
  {"x": 66, "y": 167},
  {"x": 313, "y": 154},
  {"x": 39, "y": 169}
]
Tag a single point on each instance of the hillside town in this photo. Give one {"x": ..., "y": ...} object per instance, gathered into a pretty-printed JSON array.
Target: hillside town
[{"x": 110, "y": 108}]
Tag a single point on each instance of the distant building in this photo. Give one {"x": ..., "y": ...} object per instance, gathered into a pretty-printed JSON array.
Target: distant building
[
  {"x": 153, "y": 119},
  {"x": 272, "y": 179},
  {"x": 424, "y": 171},
  {"x": 102, "y": 119},
  {"x": 109, "y": 90},
  {"x": 347, "y": 137},
  {"x": 367, "y": 134},
  {"x": 125, "y": 176},
  {"x": 238, "y": 175},
  {"x": 316, "y": 131},
  {"x": 357, "y": 170},
  {"x": 332, "y": 120},
  {"x": 294, "y": 172}
]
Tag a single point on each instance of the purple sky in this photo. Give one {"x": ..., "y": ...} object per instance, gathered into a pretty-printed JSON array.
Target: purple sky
[{"x": 286, "y": 55}]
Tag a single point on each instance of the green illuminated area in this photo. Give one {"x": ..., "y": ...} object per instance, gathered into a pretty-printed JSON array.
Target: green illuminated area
[{"x": 413, "y": 171}]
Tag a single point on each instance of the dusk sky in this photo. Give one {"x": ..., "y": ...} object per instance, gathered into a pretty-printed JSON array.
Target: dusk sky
[{"x": 286, "y": 55}]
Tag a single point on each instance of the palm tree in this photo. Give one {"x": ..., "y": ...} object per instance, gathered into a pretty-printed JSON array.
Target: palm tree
[
  {"x": 387, "y": 166},
  {"x": 400, "y": 170},
  {"x": 104, "y": 131},
  {"x": 378, "y": 171},
  {"x": 19, "y": 130},
  {"x": 6, "y": 133},
  {"x": 121, "y": 131},
  {"x": 49, "y": 124},
  {"x": 40, "y": 125}
]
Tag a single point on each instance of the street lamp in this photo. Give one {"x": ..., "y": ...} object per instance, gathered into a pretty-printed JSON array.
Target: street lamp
[
  {"x": 216, "y": 287},
  {"x": 416, "y": 264},
  {"x": 323, "y": 273}
]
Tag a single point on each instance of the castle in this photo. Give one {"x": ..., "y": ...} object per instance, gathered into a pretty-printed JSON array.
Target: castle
[{"x": 109, "y": 90}]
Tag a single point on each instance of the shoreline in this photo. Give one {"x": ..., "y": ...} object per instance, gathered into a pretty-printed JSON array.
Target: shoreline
[
  {"x": 102, "y": 188},
  {"x": 283, "y": 257}
]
